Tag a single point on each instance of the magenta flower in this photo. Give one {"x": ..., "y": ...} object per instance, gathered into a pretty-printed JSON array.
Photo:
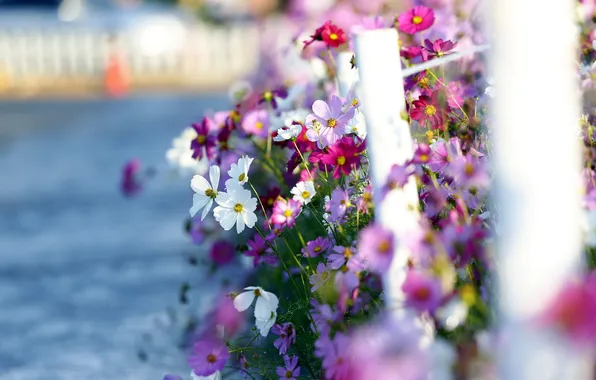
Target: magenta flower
[
  {"x": 285, "y": 212},
  {"x": 225, "y": 317},
  {"x": 256, "y": 122},
  {"x": 327, "y": 124},
  {"x": 421, "y": 154},
  {"x": 365, "y": 201},
  {"x": 422, "y": 291},
  {"x": 425, "y": 111},
  {"x": 469, "y": 172},
  {"x": 323, "y": 316},
  {"x": 416, "y": 19},
  {"x": 315, "y": 247},
  {"x": 204, "y": 144},
  {"x": 287, "y": 337},
  {"x": 343, "y": 156},
  {"x": 376, "y": 246},
  {"x": 260, "y": 251},
  {"x": 336, "y": 362},
  {"x": 131, "y": 184},
  {"x": 320, "y": 278},
  {"x": 208, "y": 356},
  {"x": 438, "y": 48},
  {"x": 291, "y": 371},
  {"x": 222, "y": 252},
  {"x": 443, "y": 153}
]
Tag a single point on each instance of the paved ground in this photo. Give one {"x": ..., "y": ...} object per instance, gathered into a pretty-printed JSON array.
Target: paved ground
[{"x": 85, "y": 273}]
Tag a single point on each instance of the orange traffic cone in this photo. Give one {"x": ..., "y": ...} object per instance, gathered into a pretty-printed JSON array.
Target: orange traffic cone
[{"x": 116, "y": 79}]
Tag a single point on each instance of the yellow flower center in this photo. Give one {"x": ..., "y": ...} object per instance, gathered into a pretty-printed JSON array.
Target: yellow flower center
[
  {"x": 469, "y": 169},
  {"x": 201, "y": 139},
  {"x": 211, "y": 193},
  {"x": 317, "y": 249},
  {"x": 211, "y": 358},
  {"x": 241, "y": 177},
  {"x": 333, "y": 36},
  {"x": 355, "y": 102},
  {"x": 257, "y": 293},
  {"x": 424, "y": 82},
  {"x": 344, "y": 269},
  {"x": 430, "y": 135},
  {"x": 288, "y": 213},
  {"x": 238, "y": 207},
  {"x": 331, "y": 123},
  {"x": 305, "y": 194},
  {"x": 417, "y": 20},
  {"x": 325, "y": 275},
  {"x": 348, "y": 253},
  {"x": 235, "y": 115},
  {"x": 268, "y": 96},
  {"x": 367, "y": 197},
  {"x": 424, "y": 157},
  {"x": 384, "y": 246},
  {"x": 430, "y": 110},
  {"x": 259, "y": 125},
  {"x": 341, "y": 160},
  {"x": 289, "y": 374}
]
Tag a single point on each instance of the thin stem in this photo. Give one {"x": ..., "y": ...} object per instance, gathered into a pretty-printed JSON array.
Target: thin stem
[{"x": 261, "y": 203}]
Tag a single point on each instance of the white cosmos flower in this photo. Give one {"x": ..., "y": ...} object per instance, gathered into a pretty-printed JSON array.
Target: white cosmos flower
[
  {"x": 288, "y": 133},
  {"x": 205, "y": 192},
  {"x": 180, "y": 154},
  {"x": 265, "y": 325},
  {"x": 214, "y": 376},
  {"x": 287, "y": 118},
  {"x": 235, "y": 207},
  {"x": 357, "y": 126},
  {"x": 304, "y": 191},
  {"x": 239, "y": 172},
  {"x": 266, "y": 302}
]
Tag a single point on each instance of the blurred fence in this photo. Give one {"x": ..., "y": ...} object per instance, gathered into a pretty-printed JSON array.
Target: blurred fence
[{"x": 76, "y": 60}]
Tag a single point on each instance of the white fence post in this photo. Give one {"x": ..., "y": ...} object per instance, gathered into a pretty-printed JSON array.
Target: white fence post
[
  {"x": 537, "y": 164},
  {"x": 389, "y": 142}
]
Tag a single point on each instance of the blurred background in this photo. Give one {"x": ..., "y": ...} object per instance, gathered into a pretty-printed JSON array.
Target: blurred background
[{"x": 87, "y": 276}]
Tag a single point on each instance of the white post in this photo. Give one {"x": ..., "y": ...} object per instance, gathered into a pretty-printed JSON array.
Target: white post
[
  {"x": 537, "y": 163},
  {"x": 346, "y": 76},
  {"x": 381, "y": 93}
]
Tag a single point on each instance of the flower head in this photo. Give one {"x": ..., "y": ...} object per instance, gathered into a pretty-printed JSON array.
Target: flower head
[
  {"x": 205, "y": 192},
  {"x": 468, "y": 171},
  {"x": 426, "y": 110},
  {"x": 288, "y": 133},
  {"x": 208, "y": 356},
  {"x": 376, "y": 247},
  {"x": 256, "y": 122},
  {"x": 287, "y": 337},
  {"x": 315, "y": 247},
  {"x": 443, "y": 153},
  {"x": 422, "y": 291},
  {"x": 285, "y": 212},
  {"x": 438, "y": 48},
  {"x": 416, "y": 19},
  {"x": 338, "y": 205},
  {"x": 131, "y": 185},
  {"x": 264, "y": 325},
  {"x": 180, "y": 155},
  {"x": 291, "y": 371},
  {"x": 270, "y": 96},
  {"x": 222, "y": 252},
  {"x": 266, "y": 302},
  {"x": 260, "y": 251},
  {"x": 327, "y": 124},
  {"x": 330, "y": 34},
  {"x": 321, "y": 277},
  {"x": 343, "y": 156},
  {"x": 239, "y": 171},
  {"x": 204, "y": 142},
  {"x": 304, "y": 192},
  {"x": 236, "y": 207}
]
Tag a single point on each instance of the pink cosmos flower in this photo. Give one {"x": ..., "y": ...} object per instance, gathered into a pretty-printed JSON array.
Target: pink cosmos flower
[
  {"x": 208, "y": 356},
  {"x": 425, "y": 110},
  {"x": 443, "y": 153},
  {"x": 226, "y": 317},
  {"x": 438, "y": 48},
  {"x": 338, "y": 205},
  {"x": 422, "y": 291},
  {"x": 285, "y": 212},
  {"x": 365, "y": 201},
  {"x": 376, "y": 247},
  {"x": 336, "y": 362},
  {"x": 256, "y": 122},
  {"x": 327, "y": 124},
  {"x": 416, "y": 19},
  {"x": 469, "y": 172},
  {"x": 343, "y": 156},
  {"x": 330, "y": 34}
]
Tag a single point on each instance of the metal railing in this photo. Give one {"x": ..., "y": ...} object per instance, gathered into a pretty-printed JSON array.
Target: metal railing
[{"x": 74, "y": 59}]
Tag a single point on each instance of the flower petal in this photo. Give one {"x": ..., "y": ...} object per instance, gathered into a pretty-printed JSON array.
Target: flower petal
[
  {"x": 321, "y": 109},
  {"x": 198, "y": 202},
  {"x": 239, "y": 222},
  {"x": 244, "y": 300},
  {"x": 250, "y": 218},
  {"x": 206, "y": 209},
  {"x": 335, "y": 106},
  {"x": 214, "y": 176},
  {"x": 199, "y": 184}
]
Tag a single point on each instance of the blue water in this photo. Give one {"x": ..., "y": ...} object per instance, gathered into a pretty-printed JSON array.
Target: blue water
[{"x": 84, "y": 272}]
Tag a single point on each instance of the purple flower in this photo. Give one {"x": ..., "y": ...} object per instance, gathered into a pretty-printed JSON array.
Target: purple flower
[
  {"x": 172, "y": 377},
  {"x": 208, "y": 356},
  {"x": 131, "y": 185},
  {"x": 421, "y": 154},
  {"x": 222, "y": 252},
  {"x": 291, "y": 370},
  {"x": 422, "y": 291},
  {"x": 320, "y": 278},
  {"x": 204, "y": 144},
  {"x": 438, "y": 48},
  {"x": 285, "y": 212},
  {"x": 468, "y": 172},
  {"x": 340, "y": 257},
  {"x": 376, "y": 247},
  {"x": 270, "y": 96},
  {"x": 443, "y": 153},
  {"x": 256, "y": 122},
  {"x": 315, "y": 247},
  {"x": 287, "y": 337},
  {"x": 328, "y": 122},
  {"x": 323, "y": 316},
  {"x": 260, "y": 251},
  {"x": 336, "y": 362},
  {"x": 338, "y": 205},
  {"x": 398, "y": 176}
]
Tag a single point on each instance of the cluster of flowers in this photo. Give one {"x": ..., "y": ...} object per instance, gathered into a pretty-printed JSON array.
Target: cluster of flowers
[{"x": 298, "y": 192}]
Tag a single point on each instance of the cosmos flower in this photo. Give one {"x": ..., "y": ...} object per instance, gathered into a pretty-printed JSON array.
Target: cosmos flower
[
  {"x": 376, "y": 247},
  {"x": 239, "y": 172},
  {"x": 304, "y": 192},
  {"x": 437, "y": 48},
  {"x": 285, "y": 212},
  {"x": 321, "y": 277},
  {"x": 291, "y": 371},
  {"x": 330, "y": 34},
  {"x": 204, "y": 142},
  {"x": 416, "y": 19},
  {"x": 423, "y": 292},
  {"x": 266, "y": 302},
  {"x": 236, "y": 207},
  {"x": 264, "y": 325},
  {"x": 288, "y": 133},
  {"x": 287, "y": 337},
  {"x": 425, "y": 110},
  {"x": 343, "y": 156},
  {"x": 180, "y": 155},
  {"x": 327, "y": 124},
  {"x": 208, "y": 356},
  {"x": 316, "y": 247},
  {"x": 271, "y": 96},
  {"x": 256, "y": 122},
  {"x": 205, "y": 192}
]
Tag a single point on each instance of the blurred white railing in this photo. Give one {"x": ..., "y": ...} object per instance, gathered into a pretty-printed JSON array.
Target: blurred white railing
[{"x": 63, "y": 58}]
